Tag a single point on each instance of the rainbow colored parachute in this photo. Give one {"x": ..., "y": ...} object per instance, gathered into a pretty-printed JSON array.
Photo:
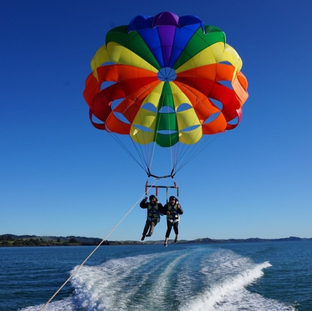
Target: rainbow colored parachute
[{"x": 166, "y": 79}]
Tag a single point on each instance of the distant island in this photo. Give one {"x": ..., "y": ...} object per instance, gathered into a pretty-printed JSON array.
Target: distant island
[{"x": 11, "y": 240}]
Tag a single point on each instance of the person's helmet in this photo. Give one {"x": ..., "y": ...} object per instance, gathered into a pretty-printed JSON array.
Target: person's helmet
[
  {"x": 152, "y": 197},
  {"x": 172, "y": 198}
]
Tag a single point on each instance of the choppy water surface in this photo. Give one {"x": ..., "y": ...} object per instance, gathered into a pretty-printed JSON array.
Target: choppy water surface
[{"x": 227, "y": 277}]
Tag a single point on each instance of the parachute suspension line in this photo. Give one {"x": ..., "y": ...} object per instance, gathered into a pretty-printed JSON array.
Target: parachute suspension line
[
  {"x": 129, "y": 152},
  {"x": 145, "y": 153},
  {"x": 80, "y": 266},
  {"x": 174, "y": 151},
  {"x": 196, "y": 152},
  {"x": 150, "y": 164},
  {"x": 185, "y": 152}
]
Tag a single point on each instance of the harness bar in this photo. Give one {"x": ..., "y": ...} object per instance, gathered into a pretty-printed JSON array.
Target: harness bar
[{"x": 164, "y": 187}]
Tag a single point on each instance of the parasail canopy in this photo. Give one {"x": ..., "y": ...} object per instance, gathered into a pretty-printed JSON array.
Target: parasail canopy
[{"x": 166, "y": 80}]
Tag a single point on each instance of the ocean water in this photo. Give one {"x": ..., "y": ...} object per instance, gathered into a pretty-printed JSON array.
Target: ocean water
[{"x": 185, "y": 277}]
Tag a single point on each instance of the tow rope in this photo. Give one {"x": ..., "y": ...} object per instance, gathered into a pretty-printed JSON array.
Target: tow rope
[{"x": 78, "y": 268}]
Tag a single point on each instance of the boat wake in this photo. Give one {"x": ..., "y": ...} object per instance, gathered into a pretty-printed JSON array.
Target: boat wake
[{"x": 195, "y": 278}]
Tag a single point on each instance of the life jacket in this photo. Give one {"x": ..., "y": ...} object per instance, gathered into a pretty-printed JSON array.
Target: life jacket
[
  {"x": 152, "y": 211},
  {"x": 174, "y": 215}
]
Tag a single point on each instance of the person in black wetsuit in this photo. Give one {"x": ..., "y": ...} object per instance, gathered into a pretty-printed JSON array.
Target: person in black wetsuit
[
  {"x": 154, "y": 209},
  {"x": 173, "y": 210}
]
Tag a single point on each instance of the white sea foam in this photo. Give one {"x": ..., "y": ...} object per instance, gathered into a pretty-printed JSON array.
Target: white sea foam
[
  {"x": 65, "y": 304},
  {"x": 194, "y": 279},
  {"x": 227, "y": 276},
  {"x": 162, "y": 284},
  {"x": 112, "y": 285}
]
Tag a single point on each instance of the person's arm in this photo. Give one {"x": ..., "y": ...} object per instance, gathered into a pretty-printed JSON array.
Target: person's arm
[
  {"x": 161, "y": 209},
  {"x": 143, "y": 203},
  {"x": 180, "y": 210},
  {"x": 165, "y": 209}
]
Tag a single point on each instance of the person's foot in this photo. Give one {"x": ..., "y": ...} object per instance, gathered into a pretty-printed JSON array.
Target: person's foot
[
  {"x": 143, "y": 237},
  {"x": 166, "y": 244},
  {"x": 148, "y": 234},
  {"x": 175, "y": 240}
]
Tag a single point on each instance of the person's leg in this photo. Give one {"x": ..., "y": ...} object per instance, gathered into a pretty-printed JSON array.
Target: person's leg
[
  {"x": 169, "y": 227},
  {"x": 147, "y": 224},
  {"x": 176, "y": 231},
  {"x": 152, "y": 226}
]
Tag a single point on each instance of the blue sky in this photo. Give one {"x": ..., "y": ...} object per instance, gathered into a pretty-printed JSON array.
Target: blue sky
[{"x": 61, "y": 176}]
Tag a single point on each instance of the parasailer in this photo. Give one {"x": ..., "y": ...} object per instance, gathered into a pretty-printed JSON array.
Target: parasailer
[
  {"x": 154, "y": 211},
  {"x": 173, "y": 210}
]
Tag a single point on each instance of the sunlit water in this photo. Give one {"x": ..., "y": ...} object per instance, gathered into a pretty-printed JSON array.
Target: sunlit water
[{"x": 254, "y": 276}]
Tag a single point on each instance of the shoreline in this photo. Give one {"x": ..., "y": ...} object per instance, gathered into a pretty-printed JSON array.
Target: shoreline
[{"x": 11, "y": 240}]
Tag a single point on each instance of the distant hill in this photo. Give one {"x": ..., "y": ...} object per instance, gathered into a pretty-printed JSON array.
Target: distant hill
[
  {"x": 249, "y": 240},
  {"x": 33, "y": 240}
]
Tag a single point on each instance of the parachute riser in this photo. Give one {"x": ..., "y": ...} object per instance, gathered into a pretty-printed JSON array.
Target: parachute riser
[{"x": 149, "y": 174}]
